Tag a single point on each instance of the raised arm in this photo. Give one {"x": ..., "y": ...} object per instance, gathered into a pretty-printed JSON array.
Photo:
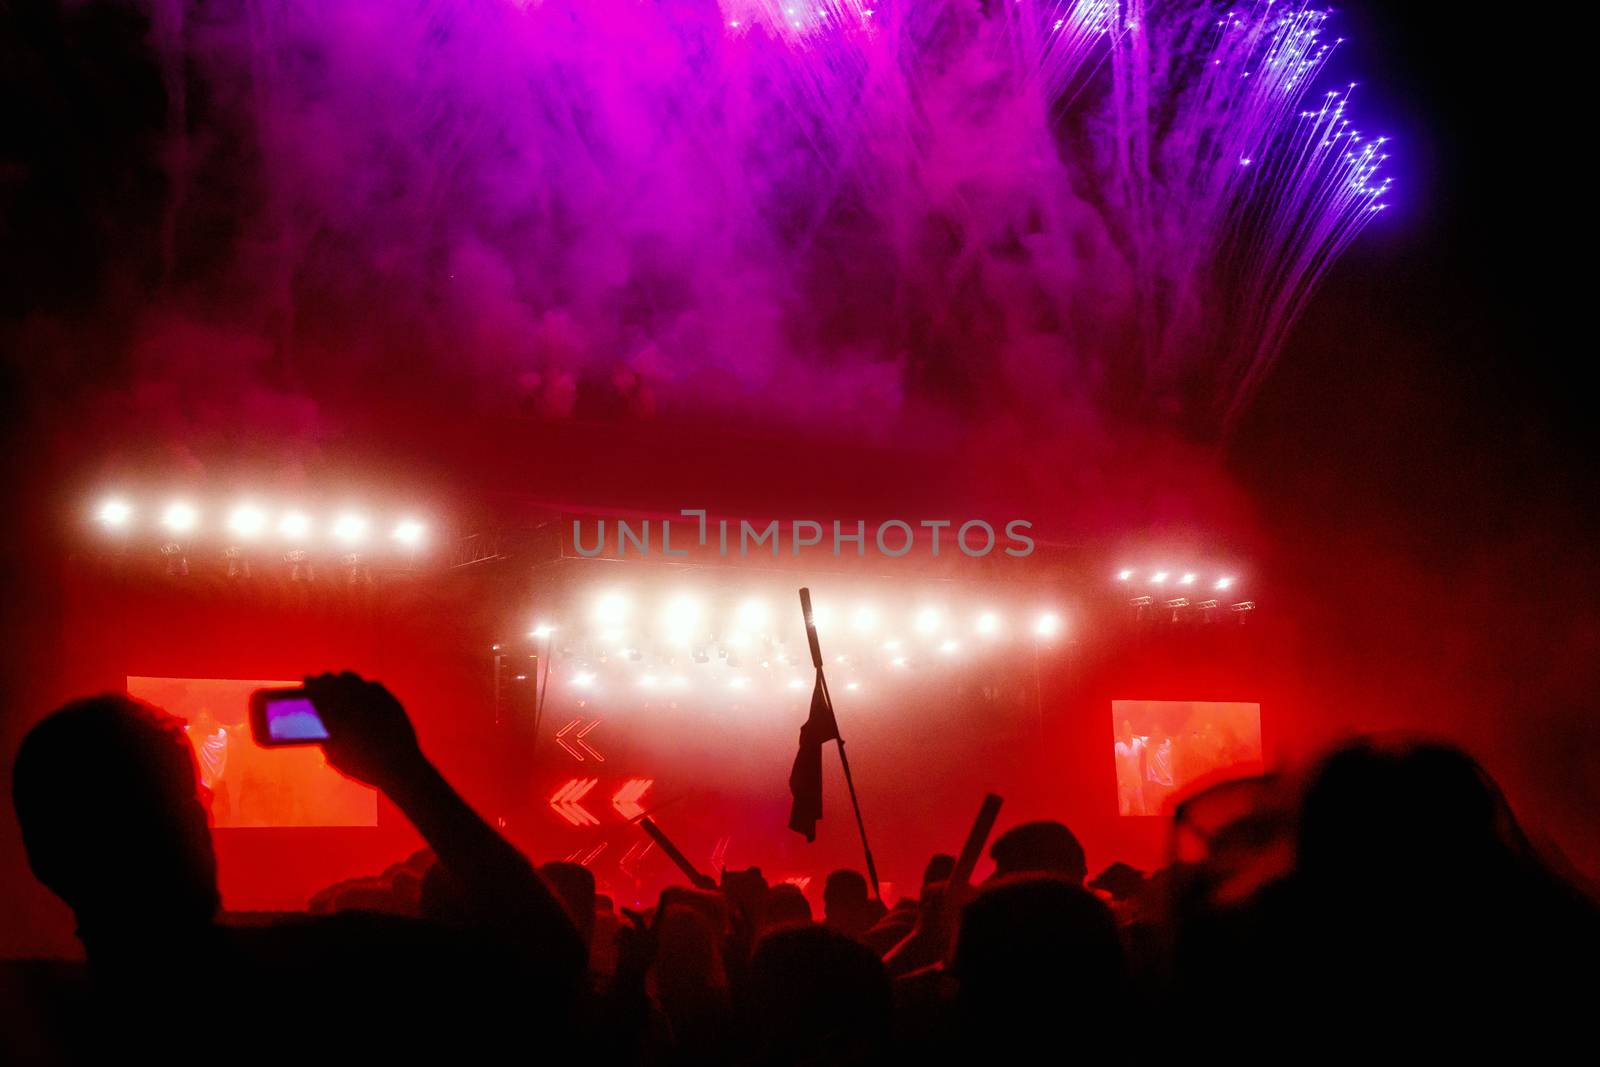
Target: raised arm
[{"x": 371, "y": 739}]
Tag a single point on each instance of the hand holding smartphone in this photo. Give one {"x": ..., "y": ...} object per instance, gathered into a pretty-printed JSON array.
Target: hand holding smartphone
[{"x": 285, "y": 717}]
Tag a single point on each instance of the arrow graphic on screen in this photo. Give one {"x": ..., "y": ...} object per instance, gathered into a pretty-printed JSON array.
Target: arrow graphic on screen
[
  {"x": 626, "y": 800},
  {"x": 566, "y": 802},
  {"x": 573, "y": 742}
]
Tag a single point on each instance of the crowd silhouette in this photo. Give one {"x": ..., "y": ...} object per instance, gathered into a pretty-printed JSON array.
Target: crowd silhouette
[{"x": 1386, "y": 904}]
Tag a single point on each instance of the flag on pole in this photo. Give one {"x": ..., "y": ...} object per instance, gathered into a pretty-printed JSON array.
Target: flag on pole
[{"x": 805, "y": 780}]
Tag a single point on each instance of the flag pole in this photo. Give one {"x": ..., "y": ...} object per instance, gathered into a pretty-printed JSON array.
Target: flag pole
[{"x": 844, "y": 761}]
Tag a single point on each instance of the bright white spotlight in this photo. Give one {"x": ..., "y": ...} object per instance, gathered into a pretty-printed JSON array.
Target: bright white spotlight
[
  {"x": 898, "y": 661},
  {"x": 1187, "y": 579},
  {"x": 927, "y": 620},
  {"x": 754, "y": 614},
  {"x": 988, "y": 624},
  {"x": 853, "y": 686},
  {"x": 1048, "y": 625},
  {"x": 180, "y": 517},
  {"x": 611, "y": 610},
  {"x": 821, "y": 614},
  {"x": 738, "y": 683},
  {"x": 1124, "y": 575},
  {"x": 350, "y": 528},
  {"x": 295, "y": 526},
  {"x": 681, "y": 620},
  {"x": 1223, "y": 583},
  {"x": 541, "y": 631},
  {"x": 1158, "y": 577},
  {"x": 648, "y": 681},
  {"x": 583, "y": 679},
  {"x": 247, "y": 521},
  {"x": 950, "y": 648},
  {"x": 795, "y": 683},
  {"x": 409, "y": 532},
  {"x": 114, "y": 513},
  {"x": 865, "y": 620}
]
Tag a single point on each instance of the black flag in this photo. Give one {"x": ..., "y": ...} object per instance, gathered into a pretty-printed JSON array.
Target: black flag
[{"x": 805, "y": 780}]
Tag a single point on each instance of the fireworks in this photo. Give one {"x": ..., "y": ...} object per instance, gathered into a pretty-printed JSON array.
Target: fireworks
[{"x": 733, "y": 205}]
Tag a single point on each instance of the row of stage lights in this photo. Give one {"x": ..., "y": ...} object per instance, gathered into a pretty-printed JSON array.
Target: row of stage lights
[
  {"x": 684, "y": 619},
  {"x": 1164, "y": 594},
  {"x": 757, "y": 653},
  {"x": 1165, "y": 577},
  {"x": 247, "y": 523}
]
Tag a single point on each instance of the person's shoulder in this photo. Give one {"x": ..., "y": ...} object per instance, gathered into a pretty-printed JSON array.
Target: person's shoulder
[{"x": 370, "y": 937}]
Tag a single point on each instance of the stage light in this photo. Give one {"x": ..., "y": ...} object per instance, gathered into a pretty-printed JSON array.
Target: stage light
[
  {"x": 865, "y": 620},
  {"x": 1223, "y": 583},
  {"x": 114, "y": 513},
  {"x": 927, "y": 620},
  {"x": 795, "y": 683},
  {"x": 541, "y": 631},
  {"x": 853, "y": 686},
  {"x": 821, "y": 614},
  {"x": 295, "y": 526},
  {"x": 180, "y": 517},
  {"x": 1187, "y": 579},
  {"x": 988, "y": 624},
  {"x": 583, "y": 679},
  {"x": 238, "y": 563},
  {"x": 648, "y": 681},
  {"x": 738, "y": 683},
  {"x": 898, "y": 661},
  {"x": 1124, "y": 575},
  {"x": 247, "y": 521},
  {"x": 1158, "y": 577},
  {"x": 753, "y": 614},
  {"x": 1048, "y": 625},
  {"x": 950, "y": 648},
  {"x": 409, "y": 532},
  {"x": 611, "y": 609},
  {"x": 350, "y": 528},
  {"x": 678, "y": 681},
  {"x": 681, "y": 619}
]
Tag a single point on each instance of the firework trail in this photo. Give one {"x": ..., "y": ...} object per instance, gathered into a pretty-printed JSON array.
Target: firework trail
[
  {"x": 727, "y": 204},
  {"x": 1238, "y": 196}
]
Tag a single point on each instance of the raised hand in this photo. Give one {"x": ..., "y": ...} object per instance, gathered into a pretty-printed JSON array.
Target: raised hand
[{"x": 370, "y": 737}]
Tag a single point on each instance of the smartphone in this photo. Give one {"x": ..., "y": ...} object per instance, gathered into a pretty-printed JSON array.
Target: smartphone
[{"x": 285, "y": 717}]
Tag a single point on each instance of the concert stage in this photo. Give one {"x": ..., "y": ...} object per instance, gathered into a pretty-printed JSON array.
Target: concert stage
[{"x": 569, "y": 690}]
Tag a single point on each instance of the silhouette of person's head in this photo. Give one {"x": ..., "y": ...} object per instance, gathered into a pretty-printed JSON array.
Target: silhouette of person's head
[
  {"x": 939, "y": 869},
  {"x": 107, "y": 795},
  {"x": 786, "y": 904},
  {"x": 818, "y": 996},
  {"x": 573, "y": 885},
  {"x": 1036, "y": 952},
  {"x": 1398, "y": 815},
  {"x": 1043, "y": 847},
  {"x": 844, "y": 901}
]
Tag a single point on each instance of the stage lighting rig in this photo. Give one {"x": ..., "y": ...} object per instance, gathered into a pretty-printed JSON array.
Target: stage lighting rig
[
  {"x": 242, "y": 535},
  {"x": 114, "y": 514}
]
